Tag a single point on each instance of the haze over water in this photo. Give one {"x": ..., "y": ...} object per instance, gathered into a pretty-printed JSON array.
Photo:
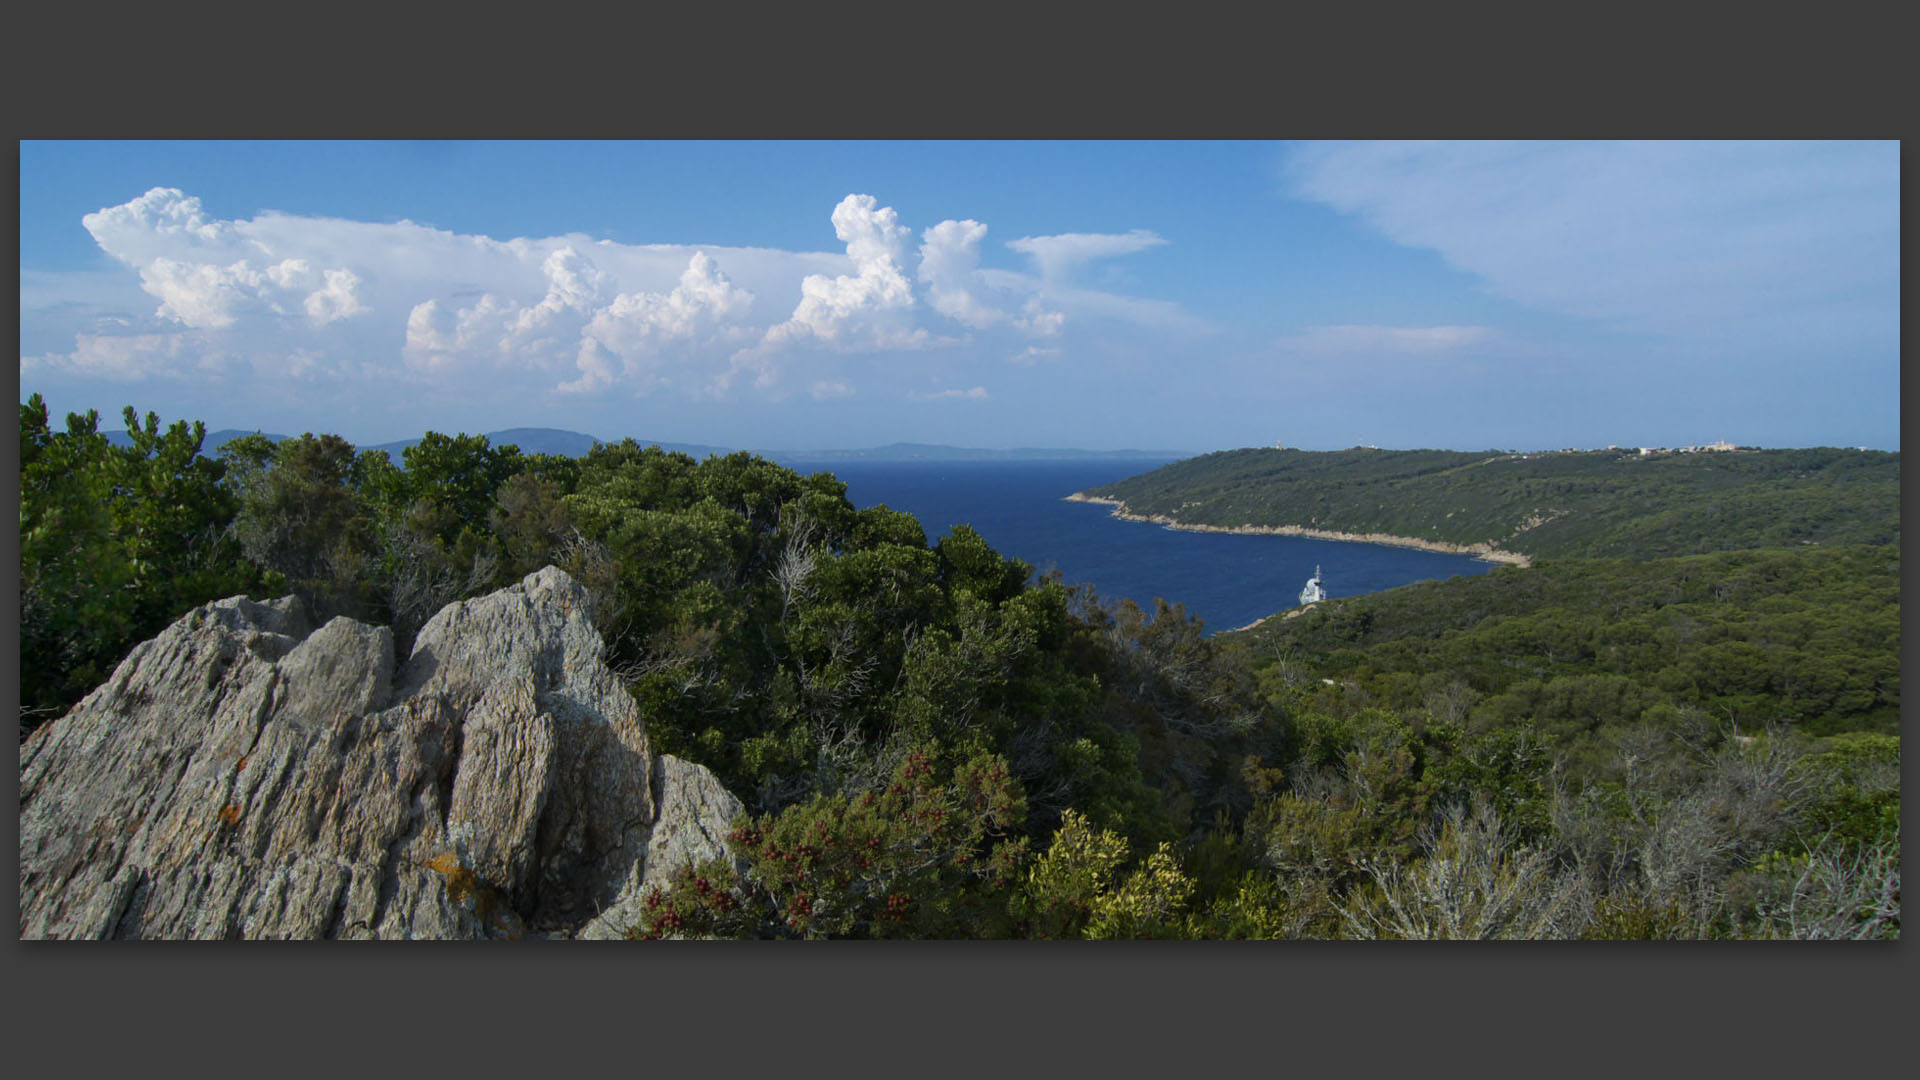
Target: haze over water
[{"x": 1227, "y": 580}]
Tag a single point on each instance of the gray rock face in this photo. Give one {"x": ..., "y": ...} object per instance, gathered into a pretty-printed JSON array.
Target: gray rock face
[
  {"x": 245, "y": 775},
  {"x": 692, "y": 826}
]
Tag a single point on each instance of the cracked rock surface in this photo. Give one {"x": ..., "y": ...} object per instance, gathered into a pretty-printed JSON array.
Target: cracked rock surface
[{"x": 246, "y": 775}]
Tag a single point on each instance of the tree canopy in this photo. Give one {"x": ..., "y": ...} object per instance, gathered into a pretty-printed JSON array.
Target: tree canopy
[{"x": 931, "y": 740}]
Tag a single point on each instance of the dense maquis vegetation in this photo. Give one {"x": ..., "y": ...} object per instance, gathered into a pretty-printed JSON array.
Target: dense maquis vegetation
[
  {"x": 1761, "y": 638},
  {"x": 932, "y": 743},
  {"x": 1591, "y": 503}
]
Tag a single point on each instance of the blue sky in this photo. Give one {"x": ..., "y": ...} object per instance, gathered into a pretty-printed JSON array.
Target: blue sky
[{"x": 1188, "y": 296}]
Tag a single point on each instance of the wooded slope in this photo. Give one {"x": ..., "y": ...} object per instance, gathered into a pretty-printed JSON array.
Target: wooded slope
[
  {"x": 1809, "y": 638},
  {"x": 1548, "y": 505}
]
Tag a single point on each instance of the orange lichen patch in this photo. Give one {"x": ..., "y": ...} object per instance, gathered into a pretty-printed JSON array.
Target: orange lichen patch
[
  {"x": 462, "y": 885},
  {"x": 241, "y": 764},
  {"x": 230, "y": 813}
]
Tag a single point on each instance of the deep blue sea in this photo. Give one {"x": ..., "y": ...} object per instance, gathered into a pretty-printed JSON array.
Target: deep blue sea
[{"x": 1226, "y": 580}]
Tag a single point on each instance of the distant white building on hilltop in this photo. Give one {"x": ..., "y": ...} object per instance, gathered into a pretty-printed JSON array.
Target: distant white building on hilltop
[{"x": 1720, "y": 446}]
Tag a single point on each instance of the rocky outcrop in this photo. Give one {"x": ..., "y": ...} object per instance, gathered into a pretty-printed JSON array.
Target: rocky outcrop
[
  {"x": 692, "y": 826},
  {"x": 244, "y": 775}
]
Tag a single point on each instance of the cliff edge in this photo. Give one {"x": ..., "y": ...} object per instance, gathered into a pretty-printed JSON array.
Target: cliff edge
[{"x": 245, "y": 775}]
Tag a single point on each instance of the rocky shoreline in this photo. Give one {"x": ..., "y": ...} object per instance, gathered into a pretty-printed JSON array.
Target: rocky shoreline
[{"x": 1485, "y": 552}]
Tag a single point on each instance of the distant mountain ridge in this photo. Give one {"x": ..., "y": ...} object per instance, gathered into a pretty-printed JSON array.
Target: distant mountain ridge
[
  {"x": 210, "y": 445},
  {"x": 529, "y": 440},
  {"x": 939, "y": 452},
  {"x": 577, "y": 444}
]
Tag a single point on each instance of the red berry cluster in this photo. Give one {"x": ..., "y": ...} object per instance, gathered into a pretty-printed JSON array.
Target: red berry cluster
[
  {"x": 799, "y": 910},
  {"x": 896, "y": 908},
  {"x": 660, "y": 925}
]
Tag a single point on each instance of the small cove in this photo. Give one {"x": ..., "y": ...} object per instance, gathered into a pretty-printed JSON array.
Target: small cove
[{"x": 1226, "y": 579}]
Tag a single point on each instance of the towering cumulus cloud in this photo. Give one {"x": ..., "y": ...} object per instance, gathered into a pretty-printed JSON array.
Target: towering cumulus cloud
[
  {"x": 208, "y": 274},
  {"x": 832, "y": 307},
  {"x": 354, "y": 306},
  {"x": 949, "y": 261}
]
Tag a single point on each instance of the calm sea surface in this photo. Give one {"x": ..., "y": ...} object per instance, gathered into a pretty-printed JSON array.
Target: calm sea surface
[{"x": 1226, "y": 580}]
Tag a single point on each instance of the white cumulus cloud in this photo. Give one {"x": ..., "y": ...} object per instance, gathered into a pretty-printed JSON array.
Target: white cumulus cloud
[
  {"x": 338, "y": 299},
  {"x": 164, "y": 221},
  {"x": 574, "y": 284},
  {"x": 439, "y": 339},
  {"x": 319, "y": 305},
  {"x": 211, "y": 274},
  {"x": 832, "y": 306},
  {"x": 203, "y": 295},
  {"x": 637, "y": 328},
  {"x": 949, "y": 267}
]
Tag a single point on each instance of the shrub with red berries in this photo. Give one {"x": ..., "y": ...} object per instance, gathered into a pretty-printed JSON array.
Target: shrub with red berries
[{"x": 933, "y": 853}]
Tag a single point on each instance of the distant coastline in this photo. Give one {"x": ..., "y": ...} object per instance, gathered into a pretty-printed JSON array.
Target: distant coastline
[{"x": 1484, "y": 552}]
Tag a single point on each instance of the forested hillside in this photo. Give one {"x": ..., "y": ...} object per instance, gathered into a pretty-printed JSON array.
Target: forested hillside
[
  {"x": 1807, "y": 638},
  {"x": 1547, "y": 505},
  {"x": 930, "y": 742}
]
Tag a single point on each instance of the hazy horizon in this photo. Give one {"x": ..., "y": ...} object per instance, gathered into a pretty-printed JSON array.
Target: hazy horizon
[
  {"x": 1096, "y": 296},
  {"x": 113, "y": 427}
]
